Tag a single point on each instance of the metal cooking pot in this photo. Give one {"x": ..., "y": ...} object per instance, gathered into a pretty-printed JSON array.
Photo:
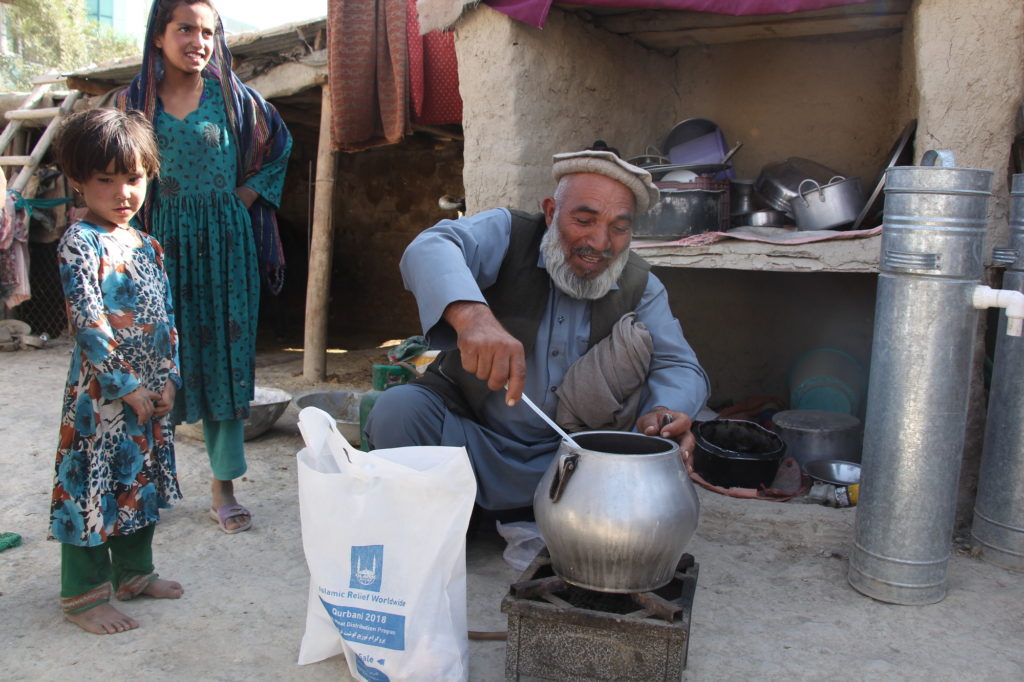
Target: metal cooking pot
[
  {"x": 812, "y": 435},
  {"x": 778, "y": 182},
  {"x": 741, "y": 197},
  {"x": 734, "y": 453},
  {"x": 684, "y": 209},
  {"x": 828, "y": 206},
  {"x": 616, "y": 514}
]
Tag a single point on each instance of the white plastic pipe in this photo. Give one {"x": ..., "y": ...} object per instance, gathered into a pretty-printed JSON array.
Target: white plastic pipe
[{"x": 1012, "y": 301}]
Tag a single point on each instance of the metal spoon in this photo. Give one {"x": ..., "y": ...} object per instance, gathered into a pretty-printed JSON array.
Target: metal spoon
[{"x": 558, "y": 429}]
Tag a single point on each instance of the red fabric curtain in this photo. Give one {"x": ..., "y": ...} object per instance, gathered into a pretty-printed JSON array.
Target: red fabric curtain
[{"x": 433, "y": 75}]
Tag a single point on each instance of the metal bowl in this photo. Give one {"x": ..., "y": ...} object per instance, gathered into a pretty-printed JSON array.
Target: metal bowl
[
  {"x": 765, "y": 218},
  {"x": 834, "y": 471},
  {"x": 658, "y": 173},
  {"x": 645, "y": 160},
  {"x": 266, "y": 407},
  {"x": 341, "y": 404}
]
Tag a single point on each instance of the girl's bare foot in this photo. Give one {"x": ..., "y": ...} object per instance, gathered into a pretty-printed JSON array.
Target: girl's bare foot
[
  {"x": 103, "y": 620},
  {"x": 164, "y": 589}
]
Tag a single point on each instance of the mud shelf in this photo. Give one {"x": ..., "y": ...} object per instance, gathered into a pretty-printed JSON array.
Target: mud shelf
[{"x": 846, "y": 255}]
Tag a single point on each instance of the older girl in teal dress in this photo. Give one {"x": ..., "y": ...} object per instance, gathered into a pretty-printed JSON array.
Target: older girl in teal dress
[{"x": 224, "y": 152}]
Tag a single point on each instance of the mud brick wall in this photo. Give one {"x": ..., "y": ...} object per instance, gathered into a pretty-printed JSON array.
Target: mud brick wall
[{"x": 383, "y": 199}]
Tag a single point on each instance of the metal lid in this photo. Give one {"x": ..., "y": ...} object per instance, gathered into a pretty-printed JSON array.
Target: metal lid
[{"x": 814, "y": 420}]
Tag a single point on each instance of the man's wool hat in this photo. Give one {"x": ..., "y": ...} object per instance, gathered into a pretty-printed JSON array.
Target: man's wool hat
[{"x": 636, "y": 179}]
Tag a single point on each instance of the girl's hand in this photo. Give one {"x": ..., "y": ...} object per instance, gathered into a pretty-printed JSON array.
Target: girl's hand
[
  {"x": 141, "y": 401},
  {"x": 165, "y": 402},
  {"x": 247, "y": 195}
]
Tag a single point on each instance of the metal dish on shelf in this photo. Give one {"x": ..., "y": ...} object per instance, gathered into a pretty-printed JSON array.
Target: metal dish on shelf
[
  {"x": 658, "y": 172},
  {"x": 766, "y": 218},
  {"x": 901, "y": 154},
  {"x": 834, "y": 471}
]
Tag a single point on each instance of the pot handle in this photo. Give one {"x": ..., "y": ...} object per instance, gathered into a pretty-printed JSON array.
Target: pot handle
[
  {"x": 566, "y": 465},
  {"x": 840, "y": 178},
  {"x": 800, "y": 190},
  {"x": 943, "y": 158}
]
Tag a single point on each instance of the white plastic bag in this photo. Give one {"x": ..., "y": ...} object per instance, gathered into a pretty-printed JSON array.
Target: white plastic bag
[
  {"x": 384, "y": 535},
  {"x": 524, "y": 543}
]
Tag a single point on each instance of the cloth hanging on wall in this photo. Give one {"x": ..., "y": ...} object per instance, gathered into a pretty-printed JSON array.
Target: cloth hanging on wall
[
  {"x": 433, "y": 74},
  {"x": 14, "y": 257},
  {"x": 368, "y": 62},
  {"x": 385, "y": 76}
]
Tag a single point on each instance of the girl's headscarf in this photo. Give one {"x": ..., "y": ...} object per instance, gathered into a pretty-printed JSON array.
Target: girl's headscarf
[{"x": 260, "y": 134}]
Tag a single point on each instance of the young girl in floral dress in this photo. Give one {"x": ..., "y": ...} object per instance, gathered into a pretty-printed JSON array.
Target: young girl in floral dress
[
  {"x": 115, "y": 458},
  {"x": 223, "y": 156}
]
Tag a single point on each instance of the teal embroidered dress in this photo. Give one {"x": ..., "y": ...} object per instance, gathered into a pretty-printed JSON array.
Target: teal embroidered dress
[
  {"x": 210, "y": 256},
  {"x": 112, "y": 474}
]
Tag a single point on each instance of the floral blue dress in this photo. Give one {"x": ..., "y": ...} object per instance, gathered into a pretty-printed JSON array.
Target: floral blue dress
[
  {"x": 112, "y": 474},
  {"x": 211, "y": 256}
]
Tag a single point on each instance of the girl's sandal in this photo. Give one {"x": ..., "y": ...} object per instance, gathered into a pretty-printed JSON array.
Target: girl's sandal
[{"x": 231, "y": 511}]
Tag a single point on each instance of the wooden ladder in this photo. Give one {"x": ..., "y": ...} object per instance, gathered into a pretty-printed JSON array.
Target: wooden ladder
[{"x": 31, "y": 111}]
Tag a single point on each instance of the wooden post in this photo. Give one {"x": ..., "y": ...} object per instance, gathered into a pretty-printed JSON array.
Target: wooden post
[{"x": 321, "y": 253}]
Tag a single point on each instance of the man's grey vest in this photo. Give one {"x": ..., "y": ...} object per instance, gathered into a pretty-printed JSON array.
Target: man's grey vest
[{"x": 518, "y": 299}]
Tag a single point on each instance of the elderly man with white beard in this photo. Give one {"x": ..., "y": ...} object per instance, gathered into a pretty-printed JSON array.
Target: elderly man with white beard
[{"x": 516, "y": 300}]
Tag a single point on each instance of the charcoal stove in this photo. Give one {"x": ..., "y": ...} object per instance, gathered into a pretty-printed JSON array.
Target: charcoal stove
[{"x": 558, "y": 631}]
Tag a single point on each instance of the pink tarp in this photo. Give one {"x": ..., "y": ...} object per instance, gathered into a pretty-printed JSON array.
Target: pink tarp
[{"x": 535, "y": 12}]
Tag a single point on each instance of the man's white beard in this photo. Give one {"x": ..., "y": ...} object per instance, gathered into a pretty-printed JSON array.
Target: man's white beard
[{"x": 568, "y": 281}]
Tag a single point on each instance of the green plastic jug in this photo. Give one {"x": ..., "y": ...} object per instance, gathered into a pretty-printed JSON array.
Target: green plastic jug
[{"x": 383, "y": 378}]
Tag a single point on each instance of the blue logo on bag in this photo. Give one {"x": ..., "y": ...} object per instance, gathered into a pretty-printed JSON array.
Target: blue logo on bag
[
  {"x": 367, "y": 567},
  {"x": 371, "y": 673}
]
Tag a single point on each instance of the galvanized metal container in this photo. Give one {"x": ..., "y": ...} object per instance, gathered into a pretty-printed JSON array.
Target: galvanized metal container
[
  {"x": 933, "y": 229},
  {"x": 616, "y": 514},
  {"x": 998, "y": 528}
]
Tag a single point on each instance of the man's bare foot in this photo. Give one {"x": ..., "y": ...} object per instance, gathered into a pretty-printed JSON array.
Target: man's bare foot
[
  {"x": 222, "y": 494},
  {"x": 164, "y": 589},
  {"x": 103, "y": 620}
]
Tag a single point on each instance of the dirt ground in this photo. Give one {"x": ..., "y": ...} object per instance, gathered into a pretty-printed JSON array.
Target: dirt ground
[{"x": 772, "y": 599}]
